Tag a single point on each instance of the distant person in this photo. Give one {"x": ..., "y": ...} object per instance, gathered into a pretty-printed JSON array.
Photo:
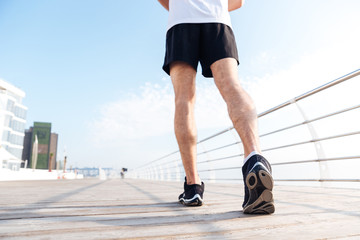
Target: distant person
[
  {"x": 200, "y": 31},
  {"x": 122, "y": 173}
]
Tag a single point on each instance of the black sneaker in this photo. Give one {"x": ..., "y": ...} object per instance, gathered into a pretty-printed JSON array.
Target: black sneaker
[
  {"x": 192, "y": 195},
  {"x": 258, "y": 186}
]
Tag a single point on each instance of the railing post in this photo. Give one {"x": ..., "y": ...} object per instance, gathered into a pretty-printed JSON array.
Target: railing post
[
  {"x": 212, "y": 174},
  {"x": 323, "y": 167},
  {"x": 148, "y": 173},
  {"x": 152, "y": 173},
  {"x": 156, "y": 173},
  {"x": 177, "y": 172},
  {"x": 161, "y": 177},
  {"x": 168, "y": 173}
]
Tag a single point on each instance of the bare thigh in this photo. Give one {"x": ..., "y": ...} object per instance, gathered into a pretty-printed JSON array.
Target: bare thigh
[{"x": 183, "y": 79}]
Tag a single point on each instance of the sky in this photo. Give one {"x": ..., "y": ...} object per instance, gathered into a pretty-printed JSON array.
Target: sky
[{"x": 93, "y": 68}]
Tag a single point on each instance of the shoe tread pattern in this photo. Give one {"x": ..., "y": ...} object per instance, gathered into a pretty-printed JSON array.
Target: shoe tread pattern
[{"x": 260, "y": 184}]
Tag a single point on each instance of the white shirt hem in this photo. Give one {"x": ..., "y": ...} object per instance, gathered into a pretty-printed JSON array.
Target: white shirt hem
[{"x": 200, "y": 20}]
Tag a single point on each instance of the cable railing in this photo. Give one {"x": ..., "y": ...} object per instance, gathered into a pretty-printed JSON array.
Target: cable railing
[{"x": 292, "y": 160}]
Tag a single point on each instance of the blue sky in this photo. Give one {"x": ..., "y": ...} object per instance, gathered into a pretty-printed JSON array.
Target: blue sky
[{"x": 93, "y": 68}]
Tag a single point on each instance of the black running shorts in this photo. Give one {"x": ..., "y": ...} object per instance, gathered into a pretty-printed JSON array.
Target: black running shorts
[{"x": 204, "y": 42}]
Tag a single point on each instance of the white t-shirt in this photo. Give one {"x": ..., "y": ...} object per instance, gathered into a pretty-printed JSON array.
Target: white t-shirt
[{"x": 198, "y": 11}]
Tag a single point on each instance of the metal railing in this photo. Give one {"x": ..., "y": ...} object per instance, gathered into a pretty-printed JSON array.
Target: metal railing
[{"x": 226, "y": 158}]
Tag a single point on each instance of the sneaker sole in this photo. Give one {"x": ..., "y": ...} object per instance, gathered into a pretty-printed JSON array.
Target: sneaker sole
[
  {"x": 195, "y": 201},
  {"x": 257, "y": 182}
]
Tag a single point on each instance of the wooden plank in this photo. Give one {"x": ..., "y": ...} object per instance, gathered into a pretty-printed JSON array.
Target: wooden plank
[{"x": 135, "y": 209}]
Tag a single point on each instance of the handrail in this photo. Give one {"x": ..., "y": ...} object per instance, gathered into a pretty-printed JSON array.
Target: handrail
[
  {"x": 280, "y": 163},
  {"x": 285, "y": 128},
  {"x": 312, "y": 92},
  {"x": 288, "y": 145},
  {"x": 285, "y": 163},
  {"x": 298, "y": 98},
  {"x": 168, "y": 167},
  {"x": 293, "y": 180},
  {"x": 317, "y": 160}
]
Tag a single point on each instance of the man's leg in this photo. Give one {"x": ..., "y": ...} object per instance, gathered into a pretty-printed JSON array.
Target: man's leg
[
  {"x": 183, "y": 79},
  {"x": 240, "y": 106},
  {"x": 258, "y": 181}
]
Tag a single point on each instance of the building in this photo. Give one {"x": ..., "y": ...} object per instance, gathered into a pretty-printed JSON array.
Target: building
[
  {"x": 47, "y": 145},
  {"x": 12, "y": 118}
]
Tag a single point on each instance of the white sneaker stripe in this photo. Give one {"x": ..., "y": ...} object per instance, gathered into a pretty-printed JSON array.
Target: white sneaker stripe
[
  {"x": 261, "y": 164},
  {"x": 193, "y": 198}
]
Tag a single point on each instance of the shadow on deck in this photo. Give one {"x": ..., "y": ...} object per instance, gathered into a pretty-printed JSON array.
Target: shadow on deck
[{"x": 138, "y": 209}]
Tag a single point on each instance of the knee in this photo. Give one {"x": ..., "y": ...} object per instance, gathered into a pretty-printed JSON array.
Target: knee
[
  {"x": 230, "y": 86},
  {"x": 185, "y": 98},
  {"x": 184, "y": 106},
  {"x": 184, "y": 92}
]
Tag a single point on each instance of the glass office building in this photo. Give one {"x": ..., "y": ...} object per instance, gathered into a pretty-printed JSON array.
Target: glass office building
[
  {"x": 12, "y": 118},
  {"x": 47, "y": 146}
]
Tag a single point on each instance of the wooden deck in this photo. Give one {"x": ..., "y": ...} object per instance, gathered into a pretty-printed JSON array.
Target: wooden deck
[{"x": 134, "y": 209}]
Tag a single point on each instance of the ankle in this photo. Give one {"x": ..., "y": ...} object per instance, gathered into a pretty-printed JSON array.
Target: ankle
[
  {"x": 248, "y": 156},
  {"x": 193, "y": 180}
]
